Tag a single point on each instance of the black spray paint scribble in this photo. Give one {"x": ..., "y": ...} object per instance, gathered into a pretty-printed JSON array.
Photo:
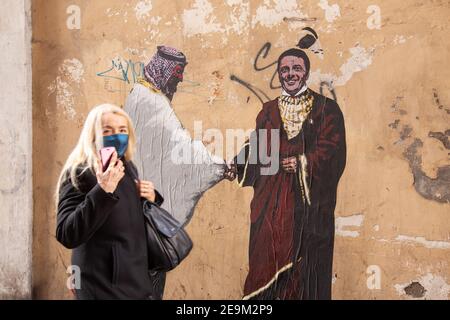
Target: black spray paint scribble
[
  {"x": 436, "y": 189},
  {"x": 308, "y": 41},
  {"x": 264, "y": 51},
  {"x": 261, "y": 95}
]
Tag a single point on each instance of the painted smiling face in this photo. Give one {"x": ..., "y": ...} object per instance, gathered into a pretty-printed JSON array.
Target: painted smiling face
[{"x": 292, "y": 74}]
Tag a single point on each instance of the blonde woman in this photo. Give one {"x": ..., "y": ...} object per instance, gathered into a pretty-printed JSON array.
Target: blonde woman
[{"x": 100, "y": 214}]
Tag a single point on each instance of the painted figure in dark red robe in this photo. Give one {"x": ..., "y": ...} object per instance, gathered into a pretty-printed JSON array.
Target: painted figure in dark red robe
[{"x": 292, "y": 211}]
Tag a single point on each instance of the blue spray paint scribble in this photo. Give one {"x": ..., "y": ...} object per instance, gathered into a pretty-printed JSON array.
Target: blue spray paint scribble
[{"x": 124, "y": 70}]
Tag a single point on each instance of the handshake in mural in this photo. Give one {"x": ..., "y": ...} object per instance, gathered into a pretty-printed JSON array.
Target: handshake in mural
[{"x": 288, "y": 164}]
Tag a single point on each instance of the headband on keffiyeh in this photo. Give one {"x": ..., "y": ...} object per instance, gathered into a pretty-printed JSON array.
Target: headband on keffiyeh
[{"x": 160, "y": 67}]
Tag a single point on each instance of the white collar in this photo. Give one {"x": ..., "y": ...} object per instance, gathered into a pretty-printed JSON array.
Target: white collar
[{"x": 303, "y": 89}]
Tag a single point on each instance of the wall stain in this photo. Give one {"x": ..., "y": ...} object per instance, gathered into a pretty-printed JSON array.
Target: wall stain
[
  {"x": 415, "y": 289},
  {"x": 394, "y": 124},
  {"x": 442, "y": 137},
  {"x": 437, "y": 189},
  {"x": 405, "y": 133},
  {"x": 261, "y": 95},
  {"x": 394, "y": 106},
  {"x": 437, "y": 101}
]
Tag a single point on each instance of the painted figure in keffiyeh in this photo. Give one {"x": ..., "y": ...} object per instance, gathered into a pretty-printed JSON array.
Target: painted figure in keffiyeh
[
  {"x": 292, "y": 211},
  {"x": 160, "y": 138},
  {"x": 165, "y": 70}
]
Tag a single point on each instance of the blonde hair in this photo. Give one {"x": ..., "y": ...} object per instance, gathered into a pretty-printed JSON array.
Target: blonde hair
[{"x": 85, "y": 153}]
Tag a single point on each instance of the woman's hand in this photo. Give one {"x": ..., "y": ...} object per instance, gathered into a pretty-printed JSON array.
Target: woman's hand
[
  {"x": 109, "y": 179},
  {"x": 289, "y": 164},
  {"x": 146, "y": 189}
]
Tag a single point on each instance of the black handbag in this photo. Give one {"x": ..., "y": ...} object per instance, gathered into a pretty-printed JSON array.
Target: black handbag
[{"x": 167, "y": 241}]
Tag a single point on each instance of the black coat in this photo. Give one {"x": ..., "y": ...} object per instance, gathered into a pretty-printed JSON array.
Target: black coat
[{"x": 107, "y": 234}]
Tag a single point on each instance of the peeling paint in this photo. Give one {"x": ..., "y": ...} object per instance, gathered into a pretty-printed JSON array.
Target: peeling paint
[
  {"x": 73, "y": 69},
  {"x": 269, "y": 15},
  {"x": 426, "y": 243},
  {"x": 110, "y": 13},
  {"x": 350, "y": 221},
  {"x": 70, "y": 71},
  {"x": 427, "y": 287},
  {"x": 239, "y": 17},
  {"x": 64, "y": 97},
  {"x": 332, "y": 12},
  {"x": 200, "y": 19},
  {"x": 361, "y": 59},
  {"x": 399, "y": 39},
  {"x": 155, "y": 20},
  {"x": 142, "y": 9},
  {"x": 152, "y": 27},
  {"x": 133, "y": 51}
]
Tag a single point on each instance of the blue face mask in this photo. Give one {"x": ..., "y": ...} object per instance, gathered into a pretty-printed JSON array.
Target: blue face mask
[{"x": 118, "y": 141}]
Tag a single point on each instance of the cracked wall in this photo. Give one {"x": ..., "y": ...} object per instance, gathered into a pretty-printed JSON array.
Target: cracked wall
[{"x": 384, "y": 63}]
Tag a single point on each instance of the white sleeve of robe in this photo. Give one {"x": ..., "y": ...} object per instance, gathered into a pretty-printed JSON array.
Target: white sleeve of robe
[{"x": 181, "y": 169}]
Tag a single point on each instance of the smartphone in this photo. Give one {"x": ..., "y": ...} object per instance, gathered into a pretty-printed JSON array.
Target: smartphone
[{"x": 106, "y": 155}]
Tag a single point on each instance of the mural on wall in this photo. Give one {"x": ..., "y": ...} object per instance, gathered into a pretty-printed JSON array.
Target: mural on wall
[
  {"x": 384, "y": 242},
  {"x": 310, "y": 40},
  {"x": 292, "y": 211},
  {"x": 181, "y": 168},
  {"x": 295, "y": 176}
]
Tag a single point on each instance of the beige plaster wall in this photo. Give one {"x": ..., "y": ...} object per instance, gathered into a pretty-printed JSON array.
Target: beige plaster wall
[{"x": 389, "y": 64}]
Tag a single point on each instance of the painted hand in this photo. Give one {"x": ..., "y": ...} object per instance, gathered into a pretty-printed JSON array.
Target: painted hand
[
  {"x": 230, "y": 172},
  {"x": 289, "y": 164}
]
